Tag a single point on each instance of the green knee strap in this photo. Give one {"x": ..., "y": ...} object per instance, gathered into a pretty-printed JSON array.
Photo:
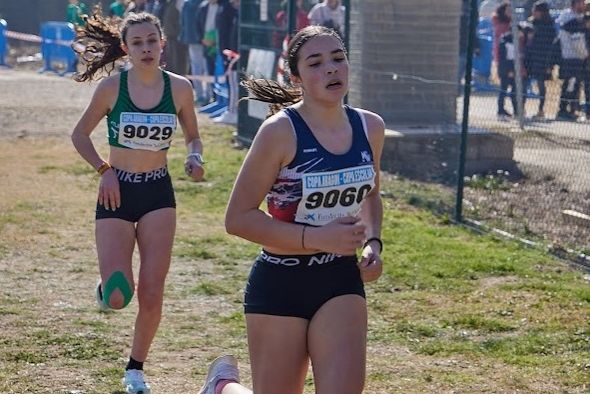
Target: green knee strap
[{"x": 117, "y": 281}]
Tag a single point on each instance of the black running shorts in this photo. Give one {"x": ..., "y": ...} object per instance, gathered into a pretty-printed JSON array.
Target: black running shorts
[
  {"x": 298, "y": 285},
  {"x": 141, "y": 193}
]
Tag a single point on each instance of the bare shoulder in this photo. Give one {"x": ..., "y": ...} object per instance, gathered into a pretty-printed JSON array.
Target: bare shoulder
[
  {"x": 275, "y": 140},
  {"x": 178, "y": 82},
  {"x": 276, "y": 129},
  {"x": 182, "y": 91},
  {"x": 375, "y": 123},
  {"x": 107, "y": 90},
  {"x": 109, "y": 85}
]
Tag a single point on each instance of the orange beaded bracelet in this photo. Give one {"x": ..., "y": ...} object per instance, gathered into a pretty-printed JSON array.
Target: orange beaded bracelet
[{"x": 103, "y": 168}]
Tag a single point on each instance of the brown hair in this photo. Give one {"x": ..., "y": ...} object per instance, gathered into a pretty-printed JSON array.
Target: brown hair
[
  {"x": 501, "y": 13},
  {"x": 99, "y": 41},
  {"x": 276, "y": 94}
]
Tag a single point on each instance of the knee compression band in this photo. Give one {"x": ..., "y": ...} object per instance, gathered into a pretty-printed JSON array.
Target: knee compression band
[{"x": 117, "y": 281}]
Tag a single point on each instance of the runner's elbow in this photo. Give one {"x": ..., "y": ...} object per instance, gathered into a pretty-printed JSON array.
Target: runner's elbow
[{"x": 232, "y": 225}]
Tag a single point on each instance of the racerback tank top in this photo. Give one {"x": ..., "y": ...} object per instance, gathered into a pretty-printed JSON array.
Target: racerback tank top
[
  {"x": 134, "y": 128},
  {"x": 319, "y": 186}
]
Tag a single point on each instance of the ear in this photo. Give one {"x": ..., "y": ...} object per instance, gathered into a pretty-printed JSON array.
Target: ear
[
  {"x": 295, "y": 80},
  {"x": 124, "y": 48}
]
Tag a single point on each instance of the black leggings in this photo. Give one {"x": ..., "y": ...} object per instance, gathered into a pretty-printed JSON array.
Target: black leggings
[{"x": 506, "y": 83}]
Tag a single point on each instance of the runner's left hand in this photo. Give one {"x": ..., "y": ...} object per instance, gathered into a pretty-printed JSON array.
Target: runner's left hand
[
  {"x": 370, "y": 263},
  {"x": 194, "y": 169}
]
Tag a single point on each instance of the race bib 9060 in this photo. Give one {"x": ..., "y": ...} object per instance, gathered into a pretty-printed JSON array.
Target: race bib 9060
[
  {"x": 334, "y": 194},
  {"x": 146, "y": 131}
]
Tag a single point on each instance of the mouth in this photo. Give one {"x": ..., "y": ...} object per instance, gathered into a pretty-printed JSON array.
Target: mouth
[
  {"x": 147, "y": 60},
  {"x": 335, "y": 84}
]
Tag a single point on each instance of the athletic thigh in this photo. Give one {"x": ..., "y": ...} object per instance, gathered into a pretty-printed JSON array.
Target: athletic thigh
[
  {"x": 115, "y": 240},
  {"x": 278, "y": 353},
  {"x": 155, "y": 236},
  {"x": 337, "y": 342}
]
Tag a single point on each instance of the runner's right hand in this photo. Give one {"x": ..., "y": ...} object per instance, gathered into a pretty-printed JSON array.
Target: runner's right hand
[
  {"x": 341, "y": 236},
  {"x": 108, "y": 191}
]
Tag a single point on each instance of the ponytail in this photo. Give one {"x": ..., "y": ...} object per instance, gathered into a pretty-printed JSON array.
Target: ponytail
[
  {"x": 272, "y": 92},
  {"x": 98, "y": 44}
]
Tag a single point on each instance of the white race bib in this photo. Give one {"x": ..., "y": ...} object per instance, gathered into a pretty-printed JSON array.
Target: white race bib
[
  {"x": 334, "y": 194},
  {"x": 146, "y": 131}
]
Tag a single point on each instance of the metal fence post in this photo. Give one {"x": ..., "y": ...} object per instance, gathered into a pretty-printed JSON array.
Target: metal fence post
[
  {"x": 465, "y": 122},
  {"x": 517, "y": 67}
]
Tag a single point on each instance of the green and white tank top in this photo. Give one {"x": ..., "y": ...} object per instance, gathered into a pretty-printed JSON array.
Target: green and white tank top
[{"x": 134, "y": 128}]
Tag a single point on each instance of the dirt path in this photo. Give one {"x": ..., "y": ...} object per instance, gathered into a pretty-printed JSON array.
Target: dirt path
[{"x": 35, "y": 104}]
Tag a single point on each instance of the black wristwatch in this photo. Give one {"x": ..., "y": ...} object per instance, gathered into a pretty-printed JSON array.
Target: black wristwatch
[{"x": 376, "y": 239}]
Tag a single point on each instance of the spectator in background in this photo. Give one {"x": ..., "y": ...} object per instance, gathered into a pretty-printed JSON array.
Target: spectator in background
[
  {"x": 301, "y": 18},
  {"x": 75, "y": 12},
  {"x": 539, "y": 57},
  {"x": 574, "y": 54},
  {"x": 528, "y": 6},
  {"x": 228, "y": 24},
  {"x": 207, "y": 27},
  {"x": 330, "y": 14},
  {"x": 463, "y": 35},
  {"x": 137, "y": 6},
  {"x": 501, "y": 20},
  {"x": 117, "y": 8},
  {"x": 282, "y": 21},
  {"x": 175, "y": 52},
  {"x": 190, "y": 35},
  {"x": 155, "y": 7},
  {"x": 506, "y": 71},
  {"x": 488, "y": 7},
  {"x": 586, "y": 75}
]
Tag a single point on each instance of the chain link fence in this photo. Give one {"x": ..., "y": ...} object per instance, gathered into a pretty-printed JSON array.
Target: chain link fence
[{"x": 524, "y": 164}]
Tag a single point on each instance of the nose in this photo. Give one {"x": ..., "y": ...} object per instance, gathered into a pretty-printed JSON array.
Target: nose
[{"x": 331, "y": 68}]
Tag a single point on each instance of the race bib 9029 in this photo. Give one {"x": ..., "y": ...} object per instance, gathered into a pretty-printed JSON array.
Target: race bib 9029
[
  {"x": 334, "y": 194},
  {"x": 146, "y": 131}
]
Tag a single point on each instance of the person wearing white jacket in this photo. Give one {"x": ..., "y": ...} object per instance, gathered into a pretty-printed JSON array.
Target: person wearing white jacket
[{"x": 574, "y": 53}]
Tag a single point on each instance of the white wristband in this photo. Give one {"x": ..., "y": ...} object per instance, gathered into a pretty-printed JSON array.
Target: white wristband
[{"x": 197, "y": 156}]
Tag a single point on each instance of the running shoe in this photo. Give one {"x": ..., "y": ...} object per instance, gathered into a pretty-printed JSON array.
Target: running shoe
[
  {"x": 134, "y": 382},
  {"x": 99, "y": 299},
  {"x": 222, "y": 368}
]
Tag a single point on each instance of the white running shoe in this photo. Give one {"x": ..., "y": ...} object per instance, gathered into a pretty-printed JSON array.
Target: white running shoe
[
  {"x": 222, "y": 368},
  {"x": 134, "y": 382},
  {"x": 227, "y": 117},
  {"x": 99, "y": 299}
]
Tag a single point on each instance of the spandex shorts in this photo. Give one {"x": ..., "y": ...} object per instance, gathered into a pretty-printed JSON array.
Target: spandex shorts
[
  {"x": 298, "y": 285},
  {"x": 141, "y": 193}
]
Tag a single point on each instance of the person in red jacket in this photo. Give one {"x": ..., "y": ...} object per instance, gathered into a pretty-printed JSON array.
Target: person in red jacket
[
  {"x": 501, "y": 24},
  {"x": 282, "y": 20}
]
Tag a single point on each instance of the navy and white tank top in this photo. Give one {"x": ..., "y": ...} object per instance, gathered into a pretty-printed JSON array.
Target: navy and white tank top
[{"x": 318, "y": 186}]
